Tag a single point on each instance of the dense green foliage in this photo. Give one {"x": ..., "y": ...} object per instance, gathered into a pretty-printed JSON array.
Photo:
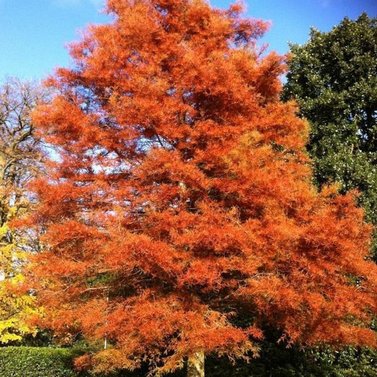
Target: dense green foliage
[
  {"x": 36, "y": 362},
  {"x": 292, "y": 362},
  {"x": 333, "y": 77},
  {"x": 275, "y": 361}
]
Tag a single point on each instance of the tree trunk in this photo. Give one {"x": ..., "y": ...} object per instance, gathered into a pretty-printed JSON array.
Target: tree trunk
[{"x": 195, "y": 365}]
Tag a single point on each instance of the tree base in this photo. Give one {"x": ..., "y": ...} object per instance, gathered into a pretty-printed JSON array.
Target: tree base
[{"x": 195, "y": 365}]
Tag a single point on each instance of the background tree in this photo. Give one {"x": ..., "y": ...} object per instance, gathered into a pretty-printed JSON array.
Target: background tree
[
  {"x": 333, "y": 77},
  {"x": 179, "y": 214},
  {"x": 19, "y": 162}
]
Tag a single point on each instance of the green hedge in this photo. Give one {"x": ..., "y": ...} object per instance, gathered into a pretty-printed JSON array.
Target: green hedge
[
  {"x": 36, "y": 362},
  {"x": 274, "y": 361},
  {"x": 278, "y": 361}
]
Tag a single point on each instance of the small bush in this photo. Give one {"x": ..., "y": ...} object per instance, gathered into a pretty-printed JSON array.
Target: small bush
[{"x": 36, "y": 362}]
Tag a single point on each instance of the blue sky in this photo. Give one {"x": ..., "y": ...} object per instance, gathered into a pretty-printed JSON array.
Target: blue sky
[{"x": 34, "y": 32}]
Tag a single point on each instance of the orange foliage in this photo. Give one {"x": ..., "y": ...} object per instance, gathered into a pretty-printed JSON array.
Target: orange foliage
[{"x": 181, "y": 198}]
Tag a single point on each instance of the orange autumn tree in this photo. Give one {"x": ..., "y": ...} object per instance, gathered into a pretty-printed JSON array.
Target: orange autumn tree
[{"x": 179, "y": 214}]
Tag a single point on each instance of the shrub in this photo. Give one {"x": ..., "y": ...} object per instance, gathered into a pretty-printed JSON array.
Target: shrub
[
  {"x": 275, "y": 361},
  {"x": 36, "y": 362}
]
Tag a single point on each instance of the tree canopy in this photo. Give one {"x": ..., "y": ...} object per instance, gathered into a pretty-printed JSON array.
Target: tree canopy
[
  {"x": 179, "y": 216},
  {"x": 333, "y": 77},
  {"x": 19, "y": 162}
]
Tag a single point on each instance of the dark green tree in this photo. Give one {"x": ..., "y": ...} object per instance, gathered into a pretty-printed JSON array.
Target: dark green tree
[{"x": 333, "y": 77}]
